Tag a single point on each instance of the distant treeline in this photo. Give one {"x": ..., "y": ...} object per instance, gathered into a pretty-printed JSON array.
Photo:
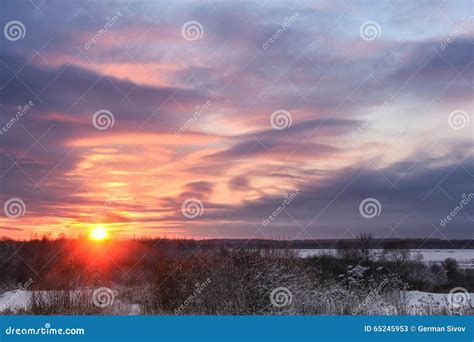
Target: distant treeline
[
  {"x": 372, "y": 243},
  {"x": 336, "y": 244}
]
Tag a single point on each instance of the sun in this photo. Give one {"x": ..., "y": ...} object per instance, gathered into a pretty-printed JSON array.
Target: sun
[{"x": 98, "y": 234}]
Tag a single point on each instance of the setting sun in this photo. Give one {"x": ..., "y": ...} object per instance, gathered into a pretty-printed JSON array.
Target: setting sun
[{"x": 98, "y": 233}]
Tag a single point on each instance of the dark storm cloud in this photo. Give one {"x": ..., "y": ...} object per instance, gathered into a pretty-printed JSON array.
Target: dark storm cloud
[
  {"x": 418, "y": 201},
  {"x": 78, "y": 91},
  {"x": 254, "y": 148},
  {"x": 429, "y": 68}
]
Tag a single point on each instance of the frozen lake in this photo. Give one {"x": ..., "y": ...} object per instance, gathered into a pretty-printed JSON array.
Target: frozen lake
[{"x": 465, "y": 257}]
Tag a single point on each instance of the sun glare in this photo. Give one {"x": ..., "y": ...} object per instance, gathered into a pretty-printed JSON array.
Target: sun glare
[{"x": 98, "y": 234}]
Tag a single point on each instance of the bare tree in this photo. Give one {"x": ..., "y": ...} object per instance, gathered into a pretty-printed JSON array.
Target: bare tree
[
  {"x": 365, "y": 243},
  {"x": 397, "y": 252}
]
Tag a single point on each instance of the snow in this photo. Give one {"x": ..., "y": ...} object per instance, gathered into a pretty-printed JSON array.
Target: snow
[
  {"x": 465, "y": 257},
  {"x": 13, "y": 300},
  {"x": 18, "y": 299},
  {"x": 418, "y": 302},
  {"x": 415, "y": 302},
  {"x": 414, "y": 297}
]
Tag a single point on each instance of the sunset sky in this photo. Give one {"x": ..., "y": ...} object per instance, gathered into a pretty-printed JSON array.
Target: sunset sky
[{"x": 369, "y": 100}]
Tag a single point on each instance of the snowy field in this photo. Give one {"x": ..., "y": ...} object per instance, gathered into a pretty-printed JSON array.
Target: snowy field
[
  {"x": 414, "y": 302},
  {"x": 16, "y": 300},
  {"x": 465, "y": 257},
  {"x": 424, "y": 303},
  {"x": 13, "y": 300}
]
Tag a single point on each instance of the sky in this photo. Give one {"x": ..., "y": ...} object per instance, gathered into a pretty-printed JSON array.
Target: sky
[{"x": 269, "y": 119}]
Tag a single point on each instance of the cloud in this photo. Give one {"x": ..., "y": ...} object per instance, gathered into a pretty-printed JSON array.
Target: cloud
[
  {"x": 155, "y": 83},
  {"x": 329, "y": 205},
  {"x": 428, "y": 70}
]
